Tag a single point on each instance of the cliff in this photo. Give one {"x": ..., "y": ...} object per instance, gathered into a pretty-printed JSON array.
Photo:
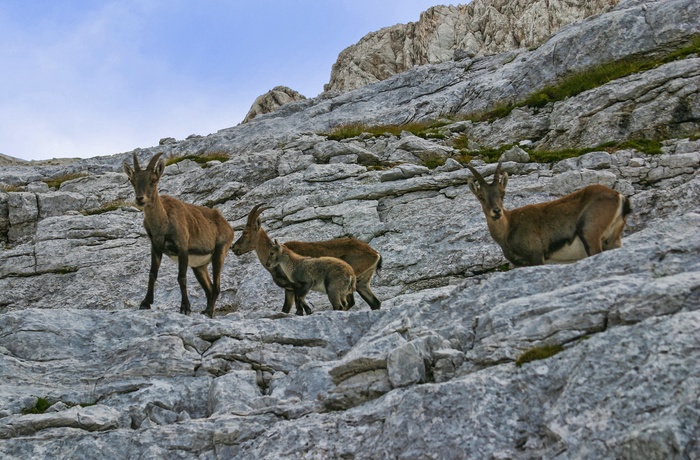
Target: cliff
[
  {"x": 444, "y": 33},
  {"x": 440, "y": 371}
]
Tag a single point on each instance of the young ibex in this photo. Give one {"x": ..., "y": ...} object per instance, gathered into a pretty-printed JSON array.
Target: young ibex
[
  {"x": 364, "y": 260},
  {"x": 568, "y": 229},
  {"x": 191, "y": 235},
  {"x": 323, "y": 274}
]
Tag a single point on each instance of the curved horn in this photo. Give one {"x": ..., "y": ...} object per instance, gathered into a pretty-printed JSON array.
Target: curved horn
[
  {"x": 476, "y": 174},
  {"x": 255, "y": 212},
  {"x": 136, "y": 163},
  {"x": 154, "y": 161}
]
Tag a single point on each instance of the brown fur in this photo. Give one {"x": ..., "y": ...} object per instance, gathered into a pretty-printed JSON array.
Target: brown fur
[
  {"x": 323, "y": 274},
  {"x": 581, "y": 224},
  {"x": 364, "y": 260},
  {"x": 197, "y": 236}
]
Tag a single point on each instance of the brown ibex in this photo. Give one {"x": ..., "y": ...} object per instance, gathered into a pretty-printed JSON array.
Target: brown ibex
[
  {"x": 323, "y": 274},
  {"x": 578, "y": 225},
  {"x": 191, "y": 235},
  {"x": 364, "y": 260}
]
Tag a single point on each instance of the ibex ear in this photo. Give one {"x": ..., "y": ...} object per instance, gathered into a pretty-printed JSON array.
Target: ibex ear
[
  {"x": 128, "y": 170},
  {"x": 474, "y": 187},
  {"x": 160, "y": 168},
  {"x": 503, "y": 180}
]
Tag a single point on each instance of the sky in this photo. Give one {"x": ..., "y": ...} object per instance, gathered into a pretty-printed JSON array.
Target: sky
[{"x": 84, "y": 78}]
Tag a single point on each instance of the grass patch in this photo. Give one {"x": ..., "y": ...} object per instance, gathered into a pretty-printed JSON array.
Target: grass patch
[
  {"x": 10, "y": 188},
  {"x": 648, "y": 146},
  {"x": 57, "y": 181},
  {"x": 43, "y": 404},
  {"x": 202, "y": 159},
  {"x": 426, "y": 130},
  {"x": 106, "y": 207},
  {"x": 39, "y": 408},
  {"x": 434, "y": 162},
  {"x": 538, "y": 353}
]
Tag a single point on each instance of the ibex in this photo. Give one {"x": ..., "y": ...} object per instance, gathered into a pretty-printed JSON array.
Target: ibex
[
  {"x": 323, "y": 274},
  {"x": 191, "y": 235},
  {"x": 364, "y": 260},
  {"x": 568, "y": 229}
]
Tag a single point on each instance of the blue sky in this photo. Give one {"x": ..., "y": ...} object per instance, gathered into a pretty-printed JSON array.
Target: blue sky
[{"x": 97, "y": 77}]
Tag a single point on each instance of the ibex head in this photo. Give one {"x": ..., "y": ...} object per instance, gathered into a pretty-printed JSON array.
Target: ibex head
[
  {"x": 248, "y": 240},
  {"x": 145, "y": 181},
  {"x": 274, "y": 256},
  {"x": 490, "y": 195}
]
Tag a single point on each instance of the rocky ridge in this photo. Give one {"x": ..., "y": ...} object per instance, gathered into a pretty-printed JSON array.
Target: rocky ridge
[
  {"x": 432, "y": 374},
  {"x": 444, "y": 33},
  {"x": 271, "y": 101}
]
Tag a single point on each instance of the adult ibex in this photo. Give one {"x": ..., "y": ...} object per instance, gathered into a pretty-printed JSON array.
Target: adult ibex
[
  {"x": 191, "y": 235},
  {"x": 570, "y": 228},
  {"x": 323, "y": 274},
  {"x": 364, "y": 260}
]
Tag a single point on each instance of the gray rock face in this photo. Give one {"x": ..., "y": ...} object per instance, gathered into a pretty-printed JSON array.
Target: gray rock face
[
  {"x": 444, "y": 33},
  {"x": 433, "y": 373}
]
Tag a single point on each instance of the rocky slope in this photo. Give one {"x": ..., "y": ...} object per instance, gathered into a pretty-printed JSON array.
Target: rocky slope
[
  {"x": 444, "y": 33},
  {"x": 431, "y": 374}
]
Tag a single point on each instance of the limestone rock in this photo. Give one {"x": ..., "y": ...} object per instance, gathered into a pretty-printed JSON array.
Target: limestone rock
[
  {"x": 271, "y": 101},
  {"x": 451, "y": 32},
  {"x": 431, "y": 373}
]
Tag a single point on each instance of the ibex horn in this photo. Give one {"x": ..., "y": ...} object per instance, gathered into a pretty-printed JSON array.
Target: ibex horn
[
  {"x": 154, "y": 161},
  {"x": 255, "y": 212},
  {"x": 478, "y": 176}
]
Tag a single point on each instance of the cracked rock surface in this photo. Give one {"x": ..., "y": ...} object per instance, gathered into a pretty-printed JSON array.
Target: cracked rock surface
[{"x": 437, "y": 372}]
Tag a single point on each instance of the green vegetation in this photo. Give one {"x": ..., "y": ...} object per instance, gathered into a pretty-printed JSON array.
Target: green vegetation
[
  {"x": 569, "y": 86},
  {"x": 597, "y": 76},
  {"x": 537, "y": 353},
  {"x": 426, "y": 130},
  {"x": 42, "y": 404},
  {"x": 57, "y": 181},
  {"x": 433, "y": 162},
  {"x": 106, "y": 207},
  {"x": 202, "y": 159},
  {"x": 10, "y": 188},
  {"x": 39, "y": 408}
]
